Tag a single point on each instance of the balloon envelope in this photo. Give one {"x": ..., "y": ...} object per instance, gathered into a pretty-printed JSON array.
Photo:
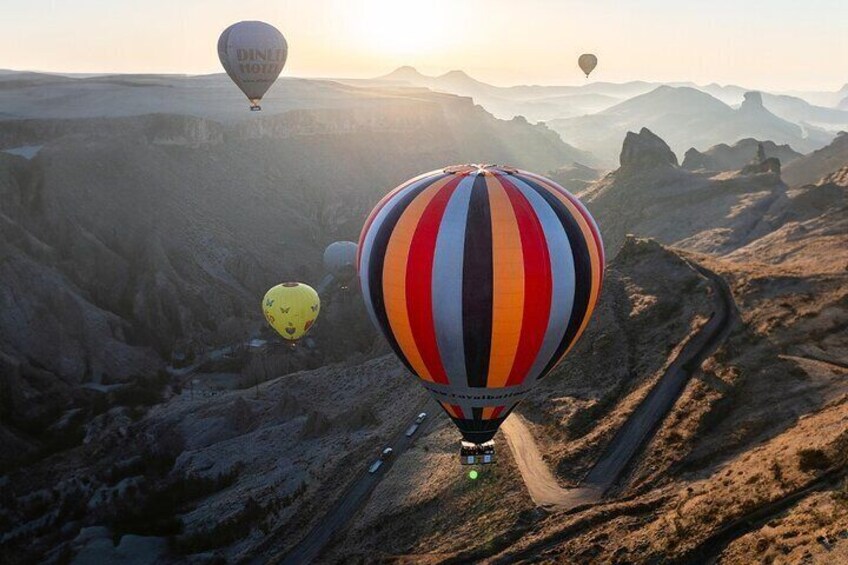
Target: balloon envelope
[
  {"x": 253, "y": 54},
  {"x": 340, "y": 259},
  {"x": 291, "y": 309},
  {"x": 481, "y": 278},
  {"x": 587, "y": 63}
]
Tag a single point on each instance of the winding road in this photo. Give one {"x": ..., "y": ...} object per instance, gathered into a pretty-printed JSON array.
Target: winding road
[
  {"x": 541, "y": 483},
  {"x": 639, "y": 428}
]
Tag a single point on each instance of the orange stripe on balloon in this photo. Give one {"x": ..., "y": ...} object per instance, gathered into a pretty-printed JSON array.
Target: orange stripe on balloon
[
  {"x": 538, "y": 284},
  {"x": 380, "y": 205},
  {"x": 507, "y": 285},
  {"x": 419, "y": 281},
  {"x": 394, "y": 277}
]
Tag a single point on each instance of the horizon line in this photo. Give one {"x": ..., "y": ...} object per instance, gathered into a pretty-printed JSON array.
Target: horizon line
[{"x": 91, "y": 74}]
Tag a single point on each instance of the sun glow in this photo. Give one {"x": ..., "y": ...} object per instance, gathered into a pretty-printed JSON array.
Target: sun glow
[{"x": 392, "y": 27}]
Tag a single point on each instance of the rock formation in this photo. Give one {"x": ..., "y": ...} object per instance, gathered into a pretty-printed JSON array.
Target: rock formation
[
  {"x": 645, "y": 151},
  {"x": 724, "y": 157},
  {"x": 753, "y": 102}
]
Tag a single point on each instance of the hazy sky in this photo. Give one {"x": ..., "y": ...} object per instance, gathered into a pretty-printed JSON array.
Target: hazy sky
[{"x": 777, "y": 44}]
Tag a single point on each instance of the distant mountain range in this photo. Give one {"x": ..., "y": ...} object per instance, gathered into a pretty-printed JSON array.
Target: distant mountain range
[
  {"x": 595, "y": 116},
  {"x": 816, "y": 108},
  {"x": 686, "y": 117}
]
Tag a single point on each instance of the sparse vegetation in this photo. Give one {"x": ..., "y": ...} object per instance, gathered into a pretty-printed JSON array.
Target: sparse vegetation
[
  {"x": 584, "y": 419},
  {"x": 777, "y": 472},
  {"x": 223, "y": 532},
  {"x": 813, "y": 460},
  {"x": 153, "y": 511}
]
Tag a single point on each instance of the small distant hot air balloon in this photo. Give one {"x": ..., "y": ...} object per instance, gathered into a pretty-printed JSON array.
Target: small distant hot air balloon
[
  {"x": 291, "y": 309},
  {"x": 340, "y": 259},
  {"x": 253, "y": 54},
  {"x": 587, "y": 63},
  {"x": 481, "y": 278}
]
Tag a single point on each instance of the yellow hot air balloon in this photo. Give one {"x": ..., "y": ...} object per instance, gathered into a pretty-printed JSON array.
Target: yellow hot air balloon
[
  {"x": 587, "y": 63},
  {"x": 291, "y": 308}
]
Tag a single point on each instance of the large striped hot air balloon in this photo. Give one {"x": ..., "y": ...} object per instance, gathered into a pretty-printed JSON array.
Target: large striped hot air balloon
[{"x": 481, "y": 278}]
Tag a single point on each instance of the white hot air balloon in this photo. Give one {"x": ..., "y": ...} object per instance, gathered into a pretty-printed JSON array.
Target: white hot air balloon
[
  {"x": 340, "y": 259},
  {"x": 253, "y": 54}
]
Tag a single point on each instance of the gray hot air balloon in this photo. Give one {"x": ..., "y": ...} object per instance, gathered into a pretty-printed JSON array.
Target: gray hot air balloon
[
  {"x": 587, "y": 63},
  {"x": 340, "y": 260},
  {"x": 253, "y": 54}
]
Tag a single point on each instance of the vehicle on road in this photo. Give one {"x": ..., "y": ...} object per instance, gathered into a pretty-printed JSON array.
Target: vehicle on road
[
  {"x": 375, "y": 466},
  {"x": 386, "y": 453},
  {"x": 410, "y": 431}
]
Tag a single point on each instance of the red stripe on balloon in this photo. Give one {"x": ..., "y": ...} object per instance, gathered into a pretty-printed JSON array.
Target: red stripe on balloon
[
  {"x": 457, "y": 410},
  {"x": 419, "y": 281},
  {"x": 380, "y": 205},
  {"x": 538, "y": 284}
]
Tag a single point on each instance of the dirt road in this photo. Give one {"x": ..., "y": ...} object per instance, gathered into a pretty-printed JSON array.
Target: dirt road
[{"x": 639, "y": 428}]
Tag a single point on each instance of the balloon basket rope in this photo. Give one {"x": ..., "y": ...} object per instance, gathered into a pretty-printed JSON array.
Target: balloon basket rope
[{"x": 477, "y": 453}]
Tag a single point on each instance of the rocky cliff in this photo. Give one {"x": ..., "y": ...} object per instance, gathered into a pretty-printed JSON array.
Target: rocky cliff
[
  {"x": 724, "y": 157},
  {"x": 650, "y": 195}
]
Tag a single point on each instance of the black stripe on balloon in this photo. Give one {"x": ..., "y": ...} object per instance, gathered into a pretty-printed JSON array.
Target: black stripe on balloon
[
  {"x": 377, "y": 259},
  {"x": 477, "y": 285},
  {"x": 508, "y": 411},
  {"x": 478, "y": 431},
  {"x": 582, "y": 268},
  {"x": 477, "y": 413}
]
